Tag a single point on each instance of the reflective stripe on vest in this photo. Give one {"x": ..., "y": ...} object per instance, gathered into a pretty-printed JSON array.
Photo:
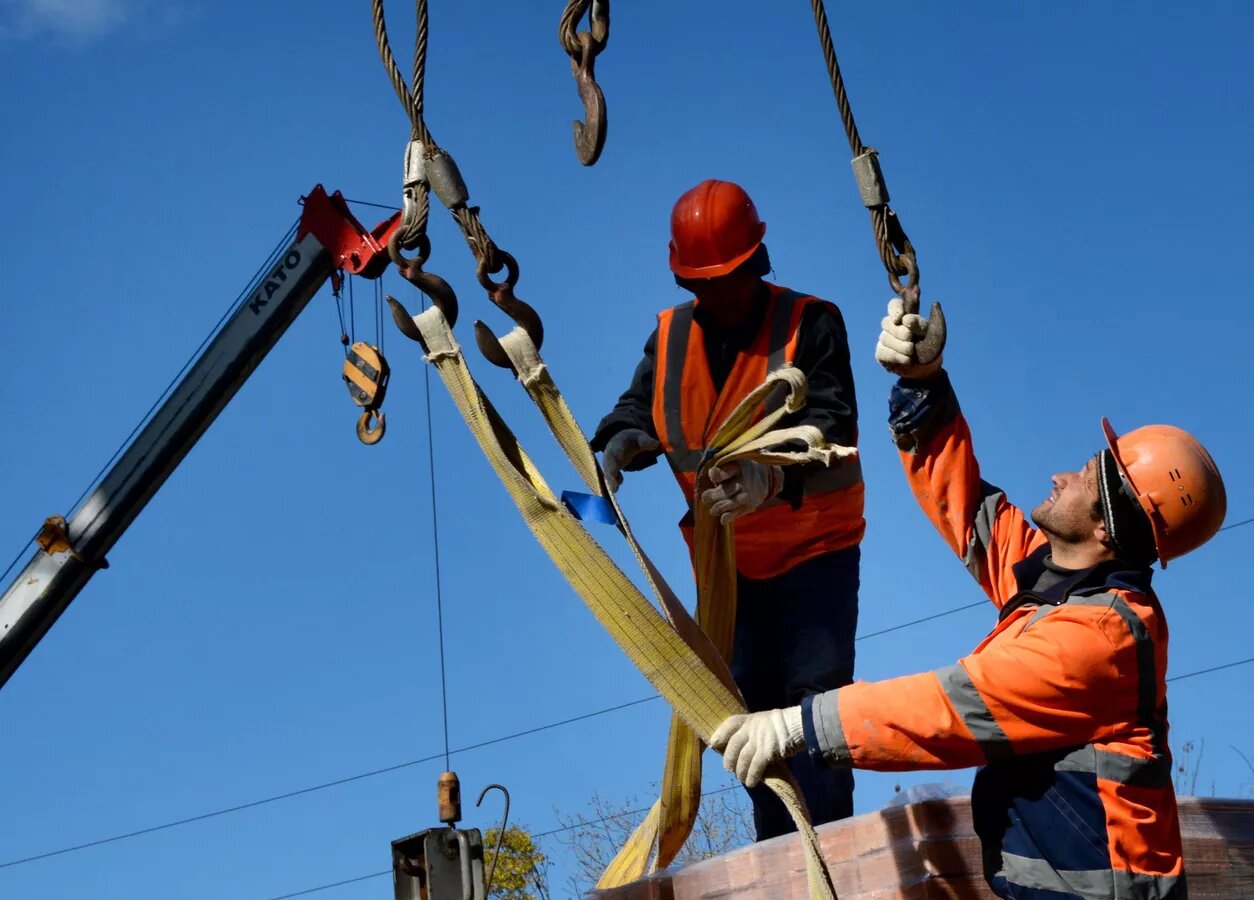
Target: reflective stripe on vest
[
  {"x": 1134, "y": 771},
  {"x": 678, "y": 326},
  {"x": 967, "y": 702},
  {"x": 687, "y": 404},
  {"x": 1141, "y": 773},
  {"x": 1147, "y": 682},
  {"x": 1091, "y": 884}
]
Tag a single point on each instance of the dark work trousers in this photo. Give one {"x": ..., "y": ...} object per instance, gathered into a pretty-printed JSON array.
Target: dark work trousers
[{"x": 794, "y": 637}]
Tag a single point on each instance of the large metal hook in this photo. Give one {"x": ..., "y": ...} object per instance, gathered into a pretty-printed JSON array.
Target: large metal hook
[
  {"x": 933, "y": 344},
  {"x": 500, "y": 835},
  {"x": 440, "y": 291},
  {"x": 442, "y": 297},
  {"x": 524, "y": 315},
  {"x": 589, "y": 135},
  {"x": 371, "y": 426}
]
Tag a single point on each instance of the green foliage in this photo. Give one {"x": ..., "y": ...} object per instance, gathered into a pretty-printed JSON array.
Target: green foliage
[{"x": 521, "y": 869}]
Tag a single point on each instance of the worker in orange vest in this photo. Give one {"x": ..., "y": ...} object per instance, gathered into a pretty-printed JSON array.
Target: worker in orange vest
[
  {"x": 797, "y": 532},
  {"x": 1064, "y": 703}
]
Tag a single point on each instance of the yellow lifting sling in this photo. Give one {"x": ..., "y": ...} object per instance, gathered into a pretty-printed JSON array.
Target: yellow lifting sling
[{"x": 672, "y": 652}]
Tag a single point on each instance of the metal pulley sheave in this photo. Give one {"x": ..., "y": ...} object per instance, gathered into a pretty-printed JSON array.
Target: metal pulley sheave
[{"x": 366, "y": 374}]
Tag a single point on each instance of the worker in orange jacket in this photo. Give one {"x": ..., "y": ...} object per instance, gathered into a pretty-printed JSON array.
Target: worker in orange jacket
[
  {"x": 797, "y": 532},
  {"x": 1064, "y": 703}
]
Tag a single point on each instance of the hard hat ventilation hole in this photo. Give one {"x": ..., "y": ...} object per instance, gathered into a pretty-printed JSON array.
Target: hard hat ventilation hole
[
  {"x": 1187, "y": 499},
  {"x": 1174, "y": 474}
]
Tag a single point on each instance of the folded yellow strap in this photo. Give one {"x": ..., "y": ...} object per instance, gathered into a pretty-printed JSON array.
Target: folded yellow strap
[
  {"x": 675, "y": 655},
  {"x": 739, "y": 438}
]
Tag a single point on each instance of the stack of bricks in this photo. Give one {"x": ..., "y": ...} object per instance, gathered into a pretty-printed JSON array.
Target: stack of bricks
[{"x": 929, "y": 851}]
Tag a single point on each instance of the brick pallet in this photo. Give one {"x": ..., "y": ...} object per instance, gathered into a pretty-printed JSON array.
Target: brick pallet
[{"x": 929, "y": 851}]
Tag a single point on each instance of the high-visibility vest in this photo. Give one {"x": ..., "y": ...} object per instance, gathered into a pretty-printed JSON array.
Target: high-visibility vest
[
  {"x": 687, "y": 409},
  {"x": 1064, "y": 703}
]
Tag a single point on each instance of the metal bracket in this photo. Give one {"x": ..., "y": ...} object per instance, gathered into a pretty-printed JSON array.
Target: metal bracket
[
  {"x": 54, "y": 538},
  {"x": 352, "y": 248},
  {"x": 439, "y": 864}
]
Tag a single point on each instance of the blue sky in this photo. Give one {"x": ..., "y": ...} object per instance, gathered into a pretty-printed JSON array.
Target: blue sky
[{"x": 1073, "y": 176}]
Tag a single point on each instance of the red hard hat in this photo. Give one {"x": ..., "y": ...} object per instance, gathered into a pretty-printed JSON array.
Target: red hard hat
[
  {"x": 1175, "y": 481},
  {"x": 714, "y": 228}
]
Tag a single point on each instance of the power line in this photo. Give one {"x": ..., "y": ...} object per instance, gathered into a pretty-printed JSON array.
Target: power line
[
  {"x": 410, "y": 763},
  {"x": 327, "y": 887},
  {"x": 426, "y": 759},
  {"x": 1231, "y": 665},
  {"x": 622, "y": 815},
  {"x": 721, "y": 790},
  {"x": 509, "y": 737},
  {"x": 319, "y": 787},
  {"x": 575, "y": 827},
  {"x": 948, "y": 612},
  {"x": 958, "y": 609},
  {"x": 387, "y": 769}
]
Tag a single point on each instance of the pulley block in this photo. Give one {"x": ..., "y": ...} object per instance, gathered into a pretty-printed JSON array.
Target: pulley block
[{"x": 366, "y": 375}]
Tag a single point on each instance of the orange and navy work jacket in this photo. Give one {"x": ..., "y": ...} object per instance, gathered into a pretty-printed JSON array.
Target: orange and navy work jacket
[
  {"x": 688, "y": 409},
  {"x": 1063, "y": 704}
]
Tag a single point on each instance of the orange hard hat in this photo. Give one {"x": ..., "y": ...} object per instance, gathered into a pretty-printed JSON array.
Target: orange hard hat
[
  {"x": 1176, "y": 483},
  {"x": 714, "y": 228}
]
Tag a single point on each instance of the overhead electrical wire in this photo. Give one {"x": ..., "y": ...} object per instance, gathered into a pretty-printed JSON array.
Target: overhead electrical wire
[
  {"x": 328, "y": 784},
  {"x": 426, "y": 759},
  {"x": 541, "y": 834}
]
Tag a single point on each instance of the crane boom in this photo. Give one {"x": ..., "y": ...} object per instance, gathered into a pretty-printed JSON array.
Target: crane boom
[{"x": 328, "y": 240}]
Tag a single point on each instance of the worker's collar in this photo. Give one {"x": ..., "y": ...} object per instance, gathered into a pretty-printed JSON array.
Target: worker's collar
[
  {"x": 749, "y": 323},
  {"x": 1107, "y": 575}
]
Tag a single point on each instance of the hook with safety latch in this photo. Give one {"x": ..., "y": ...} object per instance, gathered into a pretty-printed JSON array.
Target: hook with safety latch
[{"x": 524, "y": 315}]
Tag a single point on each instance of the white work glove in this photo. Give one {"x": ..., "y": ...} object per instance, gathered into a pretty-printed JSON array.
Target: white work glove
[
  {"x": 900, "y": 335},
  {"x": 750, "y": 743},
  {"x": 741, "y": 487},
  {"x": 621, "y": 449}
]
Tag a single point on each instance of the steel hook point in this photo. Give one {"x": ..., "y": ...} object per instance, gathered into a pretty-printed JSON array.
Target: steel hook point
[
  {"x": 490, "y": 347},
  {"x": 404, "y": 321},
  {"x": 930, "y": 348},
  {"x": 589, "y": 135},
  {"x": 500, "y": 835}
]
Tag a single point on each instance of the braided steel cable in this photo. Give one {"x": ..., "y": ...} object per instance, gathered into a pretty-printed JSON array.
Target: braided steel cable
[{"x": 895, "y": 250}]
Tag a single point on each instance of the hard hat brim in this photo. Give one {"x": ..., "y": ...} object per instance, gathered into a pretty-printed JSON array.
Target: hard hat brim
[
  {"x": 1146, "y": 505},
  {"x": 718, "y": 269}
]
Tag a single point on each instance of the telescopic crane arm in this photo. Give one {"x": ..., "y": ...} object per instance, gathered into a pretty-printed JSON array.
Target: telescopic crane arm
[{"x": 329, "y": 241}]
